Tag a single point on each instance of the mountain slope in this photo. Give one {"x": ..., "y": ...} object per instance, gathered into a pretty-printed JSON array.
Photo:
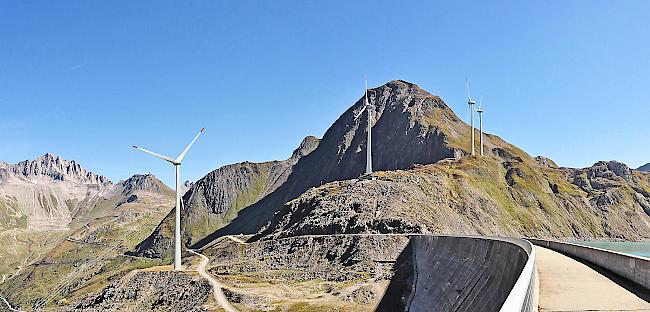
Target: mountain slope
[
  {"x": 478, "y": 196},
  {"x": 645, "y": 167},
  {"x": 412, "y": 127},
  {"x": 91, "y": 253},
  {"x": 214, "y": 200}
]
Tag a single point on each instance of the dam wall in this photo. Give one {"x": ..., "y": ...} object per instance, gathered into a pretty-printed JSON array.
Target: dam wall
[
  {"x": 451, "y": 273},
  {"x": 633, "y": 268}
]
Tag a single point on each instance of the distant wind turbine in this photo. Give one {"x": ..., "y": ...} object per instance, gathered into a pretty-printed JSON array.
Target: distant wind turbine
[
  {"x": 177, "y": 165},
  {"x": 471, "y": 103},
  {"x": 480, "y": 125},
  {"x": 368, "y": 108}
]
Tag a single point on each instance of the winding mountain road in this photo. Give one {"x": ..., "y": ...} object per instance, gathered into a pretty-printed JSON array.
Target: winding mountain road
[
  {"x": 9, "y": 306},
  {"x": 217, "y": 291}
]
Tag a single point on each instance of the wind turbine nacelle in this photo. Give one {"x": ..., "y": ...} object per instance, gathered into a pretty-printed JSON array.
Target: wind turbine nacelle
[{"x": 471, "y": 102}]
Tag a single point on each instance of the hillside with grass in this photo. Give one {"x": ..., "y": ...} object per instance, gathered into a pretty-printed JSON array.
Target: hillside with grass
[{"x": 56, "y": 267}]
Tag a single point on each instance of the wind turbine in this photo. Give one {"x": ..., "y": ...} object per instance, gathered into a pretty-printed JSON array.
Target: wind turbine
[
  {"x": 471, "y": 103},
  {"x": 177, "y": 165},
  {"x": 480, "y": 124},
  {"x": 368, "y": 108}
]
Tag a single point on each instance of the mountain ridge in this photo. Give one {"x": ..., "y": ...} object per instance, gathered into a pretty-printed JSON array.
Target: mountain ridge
[
  {"x": 212, "y": 201},
  {"x": 55, "y": 168}
]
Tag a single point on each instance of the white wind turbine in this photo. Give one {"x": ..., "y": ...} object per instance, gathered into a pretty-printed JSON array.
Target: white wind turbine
[
  {"x": 480, "y": 125},
  {"x": 177, "y": 165},
  {"x": 471, "y": 103},
  {"x": 367, "y": 108}
]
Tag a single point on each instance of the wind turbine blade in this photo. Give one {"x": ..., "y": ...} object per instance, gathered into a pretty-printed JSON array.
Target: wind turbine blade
[
  {"x": 358, "y": 115},
  {"x": 469, "y": 97},
  {"x": 480, "y": 103},
  {"x": 182, "y": 155},
  {"x": 366, "y": 80},
  {"x": 154, "y": 154}
]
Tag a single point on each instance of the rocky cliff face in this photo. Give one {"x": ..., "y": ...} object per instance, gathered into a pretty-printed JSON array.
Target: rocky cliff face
[
  {"x": 645, "y": 167},
  {"x": 45, "y": 193},
  {"x": 214, "y": 200},
  {"x": 54, "y": 168}
]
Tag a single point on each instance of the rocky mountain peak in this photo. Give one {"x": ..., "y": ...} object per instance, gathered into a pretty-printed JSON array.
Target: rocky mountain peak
[
  {"x": 56, "y": 168},
  {"x": 307, "y": 146},
  {"x": 602, "y": 175},
  {"x": 603, "y": 168},
  {"x": 144, "y": 182},
  {"x": 645, "y": 167},
  {"x": 410, "y": 126}
]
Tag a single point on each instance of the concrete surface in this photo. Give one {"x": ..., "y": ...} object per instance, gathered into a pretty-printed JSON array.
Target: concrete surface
[
  {"x": 444, "y": 273},
  {"x": 631, "y": 267},
  {"x": 568, "y": 285}
]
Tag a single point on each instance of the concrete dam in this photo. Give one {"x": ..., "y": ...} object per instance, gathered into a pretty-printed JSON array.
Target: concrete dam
[
  {"x": 445, "y": 273},
  {"x": 451, "y": 273},
  {"x": 454, "y": 273}
]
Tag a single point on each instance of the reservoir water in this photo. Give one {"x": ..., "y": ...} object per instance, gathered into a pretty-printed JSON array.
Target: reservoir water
[{"x": 633, "y": 248}]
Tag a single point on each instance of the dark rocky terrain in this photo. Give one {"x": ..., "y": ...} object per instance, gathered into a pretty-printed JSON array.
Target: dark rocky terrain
[
  {"x": 149, "y": 291},
  {"x": 645, "y": 167}
]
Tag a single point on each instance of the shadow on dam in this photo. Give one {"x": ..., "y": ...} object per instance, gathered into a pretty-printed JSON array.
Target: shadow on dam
[{"x": 445, "y": 273}]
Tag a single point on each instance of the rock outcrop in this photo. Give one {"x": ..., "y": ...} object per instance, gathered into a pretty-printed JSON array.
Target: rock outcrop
[{"x": 150, "y": 291}]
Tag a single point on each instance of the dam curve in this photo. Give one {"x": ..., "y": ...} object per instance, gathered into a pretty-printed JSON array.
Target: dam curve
[{"x": 452, "y": 273}]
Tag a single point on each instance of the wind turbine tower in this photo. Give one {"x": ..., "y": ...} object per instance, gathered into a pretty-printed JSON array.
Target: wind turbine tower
[
  {"x": 480, "y": 125},
  {"x": 177, "y": 166},
  {"x": 471, "y": 103},
  {"x": 368, "y": 108}
]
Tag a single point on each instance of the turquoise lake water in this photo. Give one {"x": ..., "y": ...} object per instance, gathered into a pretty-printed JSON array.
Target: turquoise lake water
[{"x": 633, "y": 248}]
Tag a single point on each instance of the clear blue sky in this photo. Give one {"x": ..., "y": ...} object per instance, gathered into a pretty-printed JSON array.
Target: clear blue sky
[{"x": 88, "y": 79}]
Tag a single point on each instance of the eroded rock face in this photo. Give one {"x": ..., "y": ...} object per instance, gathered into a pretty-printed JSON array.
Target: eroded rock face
[
  {"x": 149, "y": 291},
  {"x": 56, "y": 168},
  {"x": 45, "y": 193}
]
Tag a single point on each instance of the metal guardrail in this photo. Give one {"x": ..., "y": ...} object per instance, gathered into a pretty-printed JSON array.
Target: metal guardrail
[
  {"x": 523, "y": 296},
  {"x": 633, "y": 268}
]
